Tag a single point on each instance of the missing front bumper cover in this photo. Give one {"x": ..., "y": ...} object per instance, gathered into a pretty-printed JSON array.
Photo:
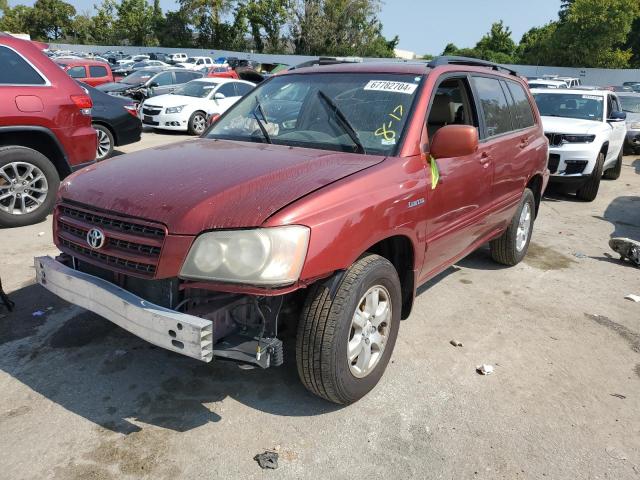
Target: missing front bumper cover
[{"x": 179, "y": 332}]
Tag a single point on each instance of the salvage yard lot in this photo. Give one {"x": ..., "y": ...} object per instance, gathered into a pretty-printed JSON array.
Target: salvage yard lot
[{"x": 81, "y": 398}]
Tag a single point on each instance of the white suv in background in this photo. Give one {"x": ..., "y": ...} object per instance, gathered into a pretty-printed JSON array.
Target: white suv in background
[
  {"x": 177, "y": 57},
  {"x": 195, "y": 63},
  {"x": 586, "y": 132}
]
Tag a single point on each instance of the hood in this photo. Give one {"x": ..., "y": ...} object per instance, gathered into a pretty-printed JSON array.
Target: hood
[
  {"x": 570, "y": 125},
  {"x": 632, "y": 117},
  {"x": 116, "y": 87},
  {"x": 173, "y": 100},
  {"x": 206, "y": 184}
]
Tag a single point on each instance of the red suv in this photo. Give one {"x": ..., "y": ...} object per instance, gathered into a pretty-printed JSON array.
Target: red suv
[
  {"x": 91, "y": 72},
  {"x": 317, "y": 205},
  {"x": 45, "y": 131}
]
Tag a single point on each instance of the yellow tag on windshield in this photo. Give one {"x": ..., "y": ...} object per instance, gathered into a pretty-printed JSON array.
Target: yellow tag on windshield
[{"x": 435, "y": 173}]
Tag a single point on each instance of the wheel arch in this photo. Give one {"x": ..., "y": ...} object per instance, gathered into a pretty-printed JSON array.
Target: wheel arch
[
  {"x": 400, "y": 251},
  {"x": 39, "y": 139},
  {"x": 535, "y": 185}
]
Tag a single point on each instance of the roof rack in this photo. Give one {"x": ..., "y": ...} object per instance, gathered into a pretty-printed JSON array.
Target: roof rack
[{"x": 473, "y": 62}]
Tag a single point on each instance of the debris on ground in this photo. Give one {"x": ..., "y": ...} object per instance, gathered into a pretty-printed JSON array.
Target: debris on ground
[
  {"x": 615, "y": 453},
  {"x": 627, "y": 249},
  {"x": 618, "y": 395},
  {"x": 267, "y": 460},
  {"x": 579, "y": 255},
  {"x": 456, "y": 343},
  {"x": 41, "y": 234},
  {"x": 37, "y": 313},
  {"x": 484, "y": 369},
  {"x": 632, "y": 297}
]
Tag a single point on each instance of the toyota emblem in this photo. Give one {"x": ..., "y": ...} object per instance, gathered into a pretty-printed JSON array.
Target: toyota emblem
[{"x": 95, "y": 238}]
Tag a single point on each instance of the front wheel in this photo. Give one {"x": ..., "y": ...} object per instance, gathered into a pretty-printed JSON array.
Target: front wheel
[
  {"x": 28, "y": 185},
  {"x": 511, "y": 247},
  {"x": 589, "y": 191},
  {"x": 614, "y": 172},
  {"x": 344, "y": 343},
  {"x": 197, "y": 123}
]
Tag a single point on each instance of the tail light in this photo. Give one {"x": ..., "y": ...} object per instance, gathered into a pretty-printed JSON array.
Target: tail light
[
  {"x": 132, "y": 109},
  {"x": 83, "y": 102}
]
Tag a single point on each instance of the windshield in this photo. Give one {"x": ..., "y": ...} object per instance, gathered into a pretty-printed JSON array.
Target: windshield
[
  {"x": 195, "y": 89},
  {"x": 630, "y": 104},
  {"x": 140, "y": 76},
  {"x": 570, "y": 105},
  {"x": 190, "y": 60},
  {"x": 333, "y": 111}
]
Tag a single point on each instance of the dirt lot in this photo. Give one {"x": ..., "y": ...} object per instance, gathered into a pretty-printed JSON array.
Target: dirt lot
[{"x": 81, "y": 398}]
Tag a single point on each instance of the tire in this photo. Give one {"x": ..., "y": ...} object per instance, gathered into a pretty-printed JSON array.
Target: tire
[
  {"x": 197, "y": 123},
  {"x": 589, "y": 191},
  {"x": 613, "y": 173},
  {"x": 37, "y": 204},
  {"x": 325, "y": 331},
  {"x": 106, "y": 142},
  {"x": 511, "y": 247}
]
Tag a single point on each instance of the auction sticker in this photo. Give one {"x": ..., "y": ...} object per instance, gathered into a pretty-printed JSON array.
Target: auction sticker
[
  {"x": 592, "y": 97},
  {"x": 388, "y": 86}
]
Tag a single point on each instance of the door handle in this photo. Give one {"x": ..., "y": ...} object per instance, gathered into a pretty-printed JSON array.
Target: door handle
[
  {"x": 484, "y": 158},
  {"x": 524, "y": 143}
]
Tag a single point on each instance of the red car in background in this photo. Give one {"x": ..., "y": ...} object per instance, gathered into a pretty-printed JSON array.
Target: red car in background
[
  {"x": 221, "y": 72},
  {"x": 45, "y": 131},
  {"x": 91, "y": 72}
]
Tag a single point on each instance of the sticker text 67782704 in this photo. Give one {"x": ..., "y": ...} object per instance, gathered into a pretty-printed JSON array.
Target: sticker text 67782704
[{"x": 388, "y": 86}]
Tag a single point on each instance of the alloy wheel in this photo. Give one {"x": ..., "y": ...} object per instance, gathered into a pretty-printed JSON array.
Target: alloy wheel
[
  {"x": 23, "y": 188},
  {"x": 369, "y": 331},
  {"x": 104, "y": 144},
  {"x": 524, "y": 226}
]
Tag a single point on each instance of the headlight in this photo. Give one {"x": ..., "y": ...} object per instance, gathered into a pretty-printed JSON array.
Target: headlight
[
  {"x": 263, "y": 256},
  {"x": 578, "y": 138},
  {"x": 177, "y": 109},
  {"x": 634, "y": 126}
]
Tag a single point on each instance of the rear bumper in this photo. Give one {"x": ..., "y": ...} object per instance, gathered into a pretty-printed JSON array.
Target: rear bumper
[{"x": 179, "y": 332}]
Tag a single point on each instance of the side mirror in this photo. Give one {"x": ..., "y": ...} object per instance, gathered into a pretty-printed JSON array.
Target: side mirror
[
  {"x": 617, "y": 117},
  {"x": 454, "y": 141},
  {"x": 219, "y": 96}
]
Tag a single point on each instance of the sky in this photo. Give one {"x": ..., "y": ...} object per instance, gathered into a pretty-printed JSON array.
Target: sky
[{"x": 426, "y": 26}]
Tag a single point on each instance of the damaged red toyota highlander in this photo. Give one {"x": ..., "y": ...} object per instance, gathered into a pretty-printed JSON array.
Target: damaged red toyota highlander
[{"x": 316, "y": 205}]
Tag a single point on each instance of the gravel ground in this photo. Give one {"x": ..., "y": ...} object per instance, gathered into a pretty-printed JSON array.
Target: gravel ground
[{"x": 81, "y": 398}]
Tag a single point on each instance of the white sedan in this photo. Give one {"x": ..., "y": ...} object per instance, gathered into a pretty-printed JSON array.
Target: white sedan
[{"x": 188, "y": 107}]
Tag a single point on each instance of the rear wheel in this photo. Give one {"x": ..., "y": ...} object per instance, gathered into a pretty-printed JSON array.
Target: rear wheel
[
  {"x": 512, "y": 246},
  {"x": 105, "y": 142},
  {"x": 197, "y": 123},
  {"x": 613, "y": 173},
  {"x": 589, "y": 191},
  {"x": 344, "y": 343},
  {"x": 28, "y": 186}
]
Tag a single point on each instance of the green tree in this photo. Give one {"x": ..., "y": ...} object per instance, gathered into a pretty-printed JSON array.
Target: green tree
[
  {"x": 535, "y": 47},
  {"x": 51, "y": 19},
  {"x": 497, "y": 45},
  {"x": 176, "y": 31},
  {"x": 206, "y": 18},
  {"x": 18, "y": 19},
  {"x": 135, "y": 22},
  {"x": 593, "y": 33},
  {"x": 4, "y": 5},
  {"x": 104, "y": 23},
  {"x": 81, "y": 30},
  {"x": 266, "y": 20}
]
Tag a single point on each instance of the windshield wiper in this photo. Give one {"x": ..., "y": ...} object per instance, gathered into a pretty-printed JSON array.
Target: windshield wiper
[
  {"x": 343, "y": 121},
  {"x": 263, "y": 129}
]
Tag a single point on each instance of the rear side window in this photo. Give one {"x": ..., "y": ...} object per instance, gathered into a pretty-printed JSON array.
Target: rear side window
[
  {"x": 98, "y": 71},
  {"x": 76, "y": 72},
  {"x": 497, "y": 117},
  {"x": 16, "y": 71},
  {"x": 522, "y": 113}
]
